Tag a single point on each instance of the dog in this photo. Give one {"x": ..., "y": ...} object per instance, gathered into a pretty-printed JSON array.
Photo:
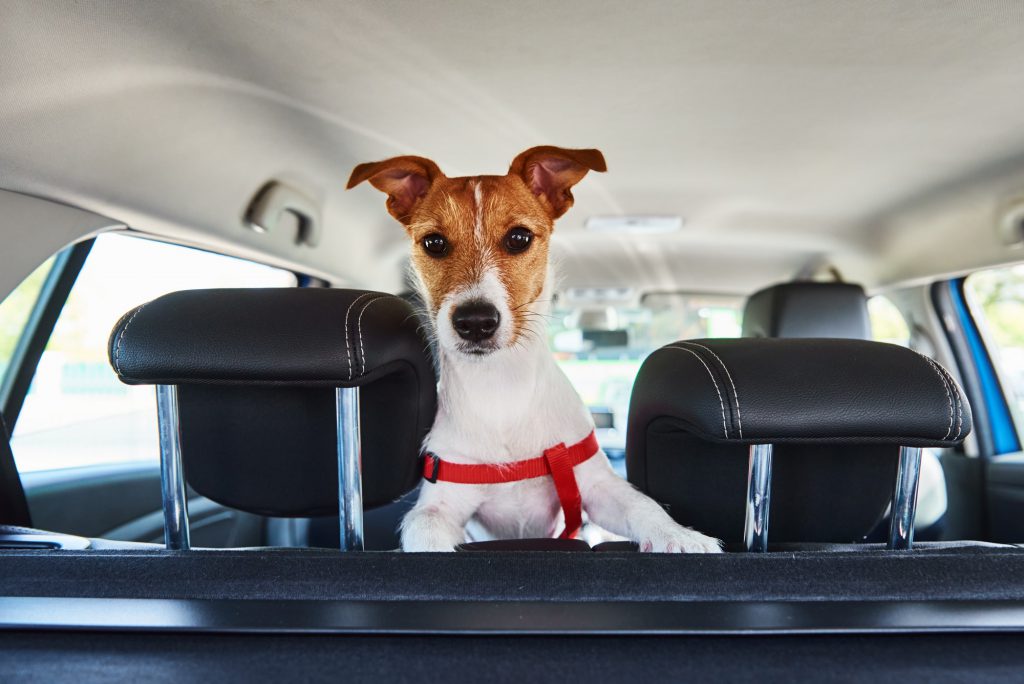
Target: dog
[{"x": 512, "y": 445}]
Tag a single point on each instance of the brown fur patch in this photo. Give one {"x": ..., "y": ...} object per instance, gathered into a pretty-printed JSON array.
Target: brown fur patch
[
  {"x": 475, "y": 214},
  {"x": 451, "y": 209}
]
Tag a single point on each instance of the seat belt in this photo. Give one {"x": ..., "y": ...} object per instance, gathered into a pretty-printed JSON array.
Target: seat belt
[{"x": 13, "y": 504}]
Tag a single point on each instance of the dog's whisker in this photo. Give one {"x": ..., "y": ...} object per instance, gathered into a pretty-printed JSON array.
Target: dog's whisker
[{"x": 525, "y": 304}]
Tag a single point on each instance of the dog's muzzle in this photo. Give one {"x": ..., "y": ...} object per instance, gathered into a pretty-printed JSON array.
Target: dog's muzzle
[{"x": 476, "y": 321}]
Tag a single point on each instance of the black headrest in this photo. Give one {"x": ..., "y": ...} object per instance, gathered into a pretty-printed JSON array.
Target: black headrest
[
  {"x": 299, "y": 337},
  {"x": 763, "y": 390},
  {"x": 837, "y": 412},
  {"x": 808, "y": 309},
  {"x": 256, "y": 371}
]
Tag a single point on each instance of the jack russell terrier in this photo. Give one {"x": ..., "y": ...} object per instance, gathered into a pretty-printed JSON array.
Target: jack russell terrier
[{"x": 513, "y": 445}]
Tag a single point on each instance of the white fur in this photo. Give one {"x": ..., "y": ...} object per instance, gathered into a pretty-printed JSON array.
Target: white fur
[
  {"x": 487, "y": 288},
  {"x": 509, "y": 405},
  {"x": 478, "y": 214}
]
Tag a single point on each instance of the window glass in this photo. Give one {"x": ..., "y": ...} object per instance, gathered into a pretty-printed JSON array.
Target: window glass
[
  {"x": 996, "y": 298},
  {"x": 887, "y": 323},
  {"x": 600, "y": 344},
  {"x": 77, "y": 412},
  {"x": 14, "y": 313}
]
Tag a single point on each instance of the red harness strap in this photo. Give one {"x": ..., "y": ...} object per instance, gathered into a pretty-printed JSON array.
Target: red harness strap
[{"x": 558, "y": 462}]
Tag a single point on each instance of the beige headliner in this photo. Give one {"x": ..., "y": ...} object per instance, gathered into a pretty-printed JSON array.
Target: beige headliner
[{"x": 881, "y": 136}]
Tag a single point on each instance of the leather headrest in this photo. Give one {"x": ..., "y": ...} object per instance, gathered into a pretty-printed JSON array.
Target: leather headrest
[
  {"x": 762, "y": 390},
  {"x": 836, "y": 411},
  {"x": 808, "y": 309},
  {"x": 307, "y": 337},
  {"x": 257, "y": 371}
]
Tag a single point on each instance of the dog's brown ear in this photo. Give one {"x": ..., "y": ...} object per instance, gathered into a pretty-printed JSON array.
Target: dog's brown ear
[
  {"x": 550, "y": 172},
  {"x": 405, "y": 180}
]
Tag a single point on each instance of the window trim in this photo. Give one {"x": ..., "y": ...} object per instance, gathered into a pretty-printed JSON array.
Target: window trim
[
  {"x": 39, "y": 327},
  {"x": 993, "y": 421}
]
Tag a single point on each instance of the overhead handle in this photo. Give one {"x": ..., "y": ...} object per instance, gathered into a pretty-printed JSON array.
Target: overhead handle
[{"x": 267, "y": 209}]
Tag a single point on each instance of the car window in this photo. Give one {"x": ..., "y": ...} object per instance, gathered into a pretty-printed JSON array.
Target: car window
[
  {"x": 600, "y": 344},
  {"x": 996, "y": 300},
  {"x": 887, "y": 323},
  {"x": 77, "y": 412},
  {"x": 15, "y": 311}
]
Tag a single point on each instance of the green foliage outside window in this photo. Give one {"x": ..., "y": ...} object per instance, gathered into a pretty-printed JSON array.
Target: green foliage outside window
[
  {"x": 15, "y": 310},
  {"x": 1000, "y": 294}
]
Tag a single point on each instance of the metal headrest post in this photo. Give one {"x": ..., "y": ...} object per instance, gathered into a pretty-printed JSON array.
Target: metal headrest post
[
  {"x": 350, "y": 469},
  {"x": 172, "y": 474},
  {"x": 759, "y": 495},
  {"x": 904, "y": 499}
]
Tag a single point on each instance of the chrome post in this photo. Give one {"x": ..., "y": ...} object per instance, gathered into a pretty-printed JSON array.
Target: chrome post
[
  {"x": 904, "y": 499},
  {"x": 172, "y": 475},
  {"x": 350, "y": 469},
  {"x": 759, "y": 495}
]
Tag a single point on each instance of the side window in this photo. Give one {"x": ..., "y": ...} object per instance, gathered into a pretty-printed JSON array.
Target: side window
[
  {"x": 77, "y": 412},
  {"x": 887, "y": 323},
  {"x": 996, "y": 300}
]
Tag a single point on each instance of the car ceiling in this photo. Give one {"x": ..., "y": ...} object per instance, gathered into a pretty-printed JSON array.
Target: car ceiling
[{"x": 883, "y": 138}]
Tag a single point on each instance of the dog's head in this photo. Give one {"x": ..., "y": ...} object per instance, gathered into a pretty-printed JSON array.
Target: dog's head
[{"x": 480, "y": 243}]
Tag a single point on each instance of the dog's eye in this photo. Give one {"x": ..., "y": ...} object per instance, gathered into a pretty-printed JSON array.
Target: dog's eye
[
  {"x": 435, "y": 245},
  {"x": 518, "y": 239}
]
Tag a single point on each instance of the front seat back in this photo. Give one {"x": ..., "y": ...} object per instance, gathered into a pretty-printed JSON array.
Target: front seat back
[
  {"x": 836, "y": 413},
  {"x": 260, "y": 379},
  {"x": 811, "y": 474}
]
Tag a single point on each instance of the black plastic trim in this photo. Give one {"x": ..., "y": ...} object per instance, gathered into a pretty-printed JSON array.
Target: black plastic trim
[
  {"x": 929, "y": 573},
  {"x": 509, "y": 617},
  {"x": 14, "y": 508},
  {"x": 943, "y": 303}
]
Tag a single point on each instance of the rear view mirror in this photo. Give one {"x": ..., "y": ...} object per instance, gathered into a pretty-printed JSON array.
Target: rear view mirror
[{"x": 603, "y": 339}]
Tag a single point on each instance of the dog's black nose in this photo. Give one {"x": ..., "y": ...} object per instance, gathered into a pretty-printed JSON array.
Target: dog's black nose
[{"x": 476, "y": 321}]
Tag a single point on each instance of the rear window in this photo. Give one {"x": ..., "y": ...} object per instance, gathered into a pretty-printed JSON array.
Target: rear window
[{"x": 887, "y": 323}]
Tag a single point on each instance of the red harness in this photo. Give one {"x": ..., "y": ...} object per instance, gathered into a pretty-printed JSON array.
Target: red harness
[{"x": 558, "y": 462}]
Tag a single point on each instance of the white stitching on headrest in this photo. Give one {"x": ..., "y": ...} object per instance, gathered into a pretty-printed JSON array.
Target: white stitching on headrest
[
  {"x": 348, "y": 347},
  {"x": 721, "y": 402},
  {"x": 735, "y": 394},
  {"x": 120, "y": 338},
  {"x": 949, "y": 396},
  {"x": 959, "y": 401},
  {"x": 359, "y": 328}
]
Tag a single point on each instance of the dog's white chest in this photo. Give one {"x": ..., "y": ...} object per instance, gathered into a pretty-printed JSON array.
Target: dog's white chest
[{"x": 520, "y": 509}]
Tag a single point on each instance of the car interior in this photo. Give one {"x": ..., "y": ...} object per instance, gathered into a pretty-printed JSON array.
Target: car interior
[{"x": 794, "y": 307}]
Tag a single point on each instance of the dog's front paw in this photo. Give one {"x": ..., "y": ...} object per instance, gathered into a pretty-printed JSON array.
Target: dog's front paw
[
  {"x": 678, "y": 539},
  {"x": 430, "y": 529},
  {"x": 426, "y": 546}
]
